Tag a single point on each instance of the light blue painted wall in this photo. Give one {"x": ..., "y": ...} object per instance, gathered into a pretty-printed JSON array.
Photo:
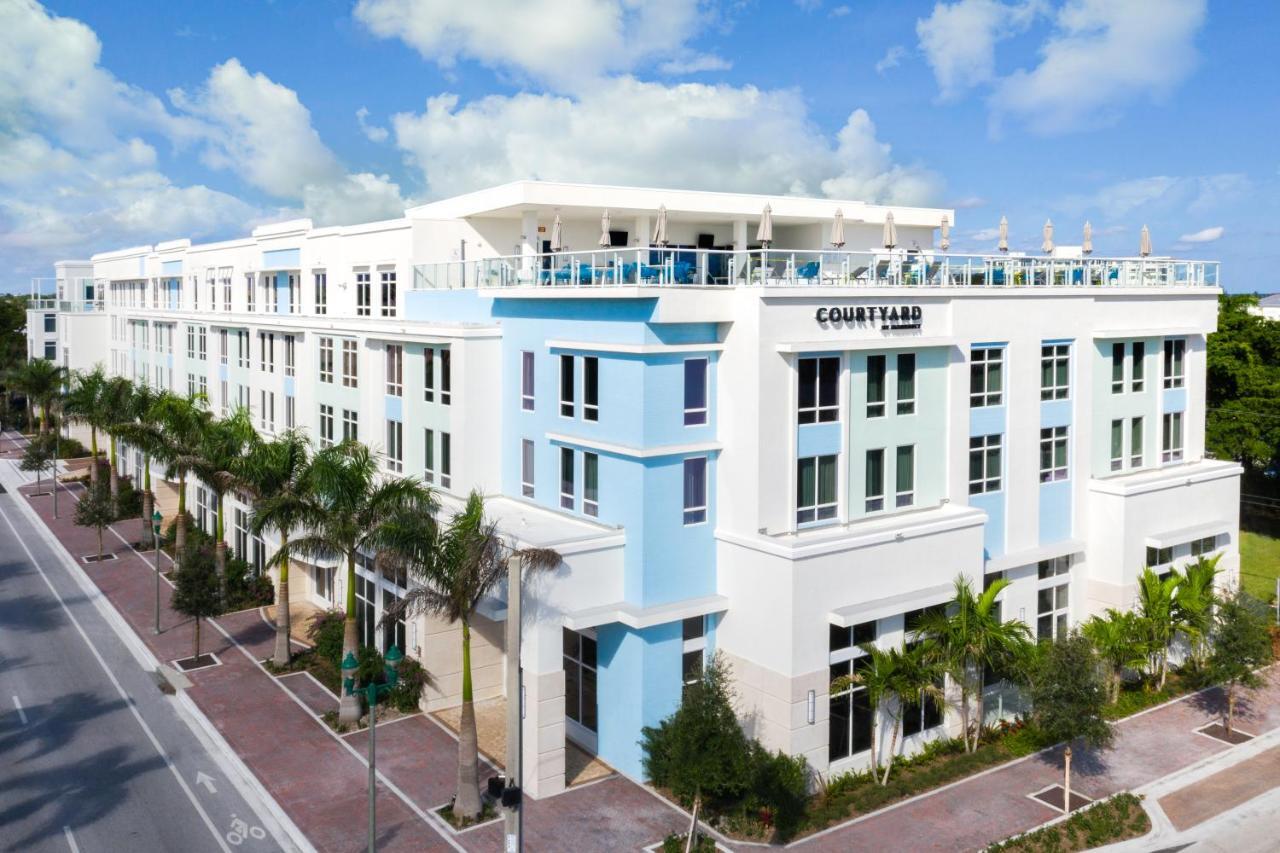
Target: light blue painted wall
[
  {"x": 393, "y": 408},
  {"x": 171, "y": 268},
  {"x": 282, "y": 293},
  {"x": 1055, "y": 511},
  {"x": 1174, "y": 400},
  {"x": 290, "y": 386},
  {"x": 1055, "y": 413},
  {"x": 639, "y": 684},
  {"x": 282, "y": 259},
  {"x": 986, "y": 420},
  {"x": 992, "y": 503},
  {"x": 817, "y": 440}
]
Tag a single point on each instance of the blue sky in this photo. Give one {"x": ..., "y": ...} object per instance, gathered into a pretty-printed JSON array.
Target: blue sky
[{"x": 124, "y": 123}]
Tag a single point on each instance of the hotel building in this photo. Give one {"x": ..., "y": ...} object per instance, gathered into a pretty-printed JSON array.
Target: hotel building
[{"x": 775, "y": 451}]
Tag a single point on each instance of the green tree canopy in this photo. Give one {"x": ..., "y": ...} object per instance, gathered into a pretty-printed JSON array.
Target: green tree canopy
[
  {"x": 1243, "y": 387},
  {"x": 1241, "y": 645}
]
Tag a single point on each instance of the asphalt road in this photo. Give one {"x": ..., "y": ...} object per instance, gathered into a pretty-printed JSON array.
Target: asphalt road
[{"x": 93, "y": 756}]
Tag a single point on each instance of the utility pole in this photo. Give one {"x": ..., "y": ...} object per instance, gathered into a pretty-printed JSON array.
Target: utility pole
[{"x": 513, "y": 819}]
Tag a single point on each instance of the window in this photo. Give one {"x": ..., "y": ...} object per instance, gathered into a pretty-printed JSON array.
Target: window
[
  {"x": 1053, "y": 454},
  {"x": 363, "y": 295},
  {"x": 242, "y": 347},
  {"x": 1117, "y": 368},
  {"x": 395, "y": 370},
  {"x": 1117, "y": 444},
  {"x": 850, "y": 721},
  {"x": 1139, "y": 365},
  {"x": 324, "y": 582},
  {"x": 326, "y": 359},
  {"x": 815, "y": 489},
  {"x": 267, "y": 352},
  {"x": 590, "y": 388},
  {"x": 250, "y": 288},
  {"x": 191, "y": 384},
  {"x": 694, "y": 645},
  {"x": 389, "y": 292},
  {"x": 50, "y": 323},
  {"x": 241, "y": 546},
  {"x": 225, "y": 397},
  {"x": 875, "y": 385},
  {"x": 350, "y": 365},
  {"x": 567, "y": 500},
  {"x": 907, "y": 383},
  {"x": 695, "y": 391},
  {"x": 51, "y": 354},
  {"x": 204, "y": 386},
  {"x": 446, "y": 377},
  {"x": 446, "y": 460},
  {"x": 526, "y": 467},
  {"x": 922, "y": 717},
  {"x": 191, "y": 341},
  {"x": 290, "y": 411},
  {"x": 591, "y": 484},
  {"x": 203, "y": 339},
  {"x": 1047, "y": 569},
  {"x": 874, "y": 480},
  {"x": 905, "y": 484},
  {"x": 350, "y": 425},
  {"x": 580, "y": 679},
  {"x": 429, "y": 456},
  {"x": 212, "y": 283},
  {"x": 322, "y": 292},
  {"x": 984, "y": 464},
  {"x": 326, "y": 425},
  {"x": 566, "y": 386},
  {"x": 695, "y": 490},
  {"x": 429, "y": 374},
  {"x": 395, "y": 446},
  {"x": 1052, "y": 605},
  {"x": 819, "y": 395},
  {"x": 225, "y": 279},
  {"x": 986, "y": 380},
  {"x": 1175, "y": 350},
  {"x": 1171, "y": 439},
  {"x": 526, "y": 381},
  {"x": 1055, "y": 363},
  {"x": 1135, "y": 443},
  {"x": 290, "y": 355},
  {"x": 267, "y": 410},
  {"x": 1157, "y": 557},
  {"x": 222, "y": 346},
  {"x": 1207, "y": 545}
]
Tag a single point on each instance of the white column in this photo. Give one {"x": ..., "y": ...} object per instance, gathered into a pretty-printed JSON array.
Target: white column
[
  {"x": 740, "y": 245},
  {"x": 544, "y": 722},
  {"x": 644, "y": 231},
  {"x": 528, "y": 240}
]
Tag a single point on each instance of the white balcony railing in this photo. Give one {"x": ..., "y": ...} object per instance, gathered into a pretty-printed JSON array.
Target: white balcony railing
[
  {"x": 72, "y": 305},
  {"x": 655, "y": 267}
]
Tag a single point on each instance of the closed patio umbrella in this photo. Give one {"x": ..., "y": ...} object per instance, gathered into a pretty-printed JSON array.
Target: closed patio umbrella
[
  {"x": 557, "y": 235},
  {"x": 1144, "y": 247},
  {"x": 1003, "y": 245},
  {"x": 605, "y": 240},
  {"x": 765, "y": 232},
  {"x": 1086, "y": 245},
  {"x": 945, "y": 243},
  {"x": 660, "y": 226},
  {"x": 1047, "y": 245},
  {"x": 890, "y": 231},
  {"x": 837, "y": 229}
]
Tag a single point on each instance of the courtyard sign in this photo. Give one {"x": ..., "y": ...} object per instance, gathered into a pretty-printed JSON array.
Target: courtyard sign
[{"x": 888, "y": 316}]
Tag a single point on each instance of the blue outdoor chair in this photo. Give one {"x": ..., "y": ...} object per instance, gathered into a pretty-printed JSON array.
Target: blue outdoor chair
[{"x": 808, "y": 272}]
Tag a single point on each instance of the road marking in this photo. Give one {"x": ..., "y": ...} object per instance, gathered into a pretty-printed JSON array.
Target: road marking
[
  {"x": 71, "y": 839},
  {"x": 155, "y": 742},
  {"x": 22, "y": 715},
  {"x": 205, "y": 779}
]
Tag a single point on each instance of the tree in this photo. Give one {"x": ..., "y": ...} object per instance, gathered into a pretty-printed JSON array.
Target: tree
[
  {"x": 196, "y": 592},
  {"x": 216, "y": 459},
  {"x": 37, "y": 456},
  {"x": 95, "y": 510},
  {"x": 968, "y": 637},
  {"x": 1243, "y": 386},
  {"x": 1068, "y": 698},
  {"x": 699, "y": 751},
  {"x": 457, "y": 567},
  {"x": 1117, "y": 637},
  {"x": 1159, "y": 619},
  {"x": 41, "y": 380},
  {"x": 114, "y": 405},
  {"x": 84, "y": 405},
  {"x": 139, "y": 430},
  {"x": 1193, "y": 604},
  {"x": 278, "y": 473},
  {"x": 1241, "y": 646},
  {"x": 179, "y": 424}
]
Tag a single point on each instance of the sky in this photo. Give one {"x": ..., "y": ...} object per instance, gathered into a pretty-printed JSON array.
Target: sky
[{"x": 129, "y": 123}]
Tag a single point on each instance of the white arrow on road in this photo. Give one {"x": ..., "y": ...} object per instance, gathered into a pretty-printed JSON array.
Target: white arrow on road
[{"x": 205, "y": 779}]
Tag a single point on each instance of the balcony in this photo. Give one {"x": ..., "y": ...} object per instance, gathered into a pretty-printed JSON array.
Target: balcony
[
  {"x": 664, "y": 267},
  {"x": 50, "y": 294}
]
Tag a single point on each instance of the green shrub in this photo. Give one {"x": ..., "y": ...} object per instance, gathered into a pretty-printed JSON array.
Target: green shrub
[
  {"x": 71, "y": 448},
  {"x": 408, "y": 690},
  {"x": 1101, "y": 823},
  {"x": 675, "y": 844},
  {"x": 128, "y": 501},
  {"x": 778, "y": 788},
  {"x": 325, "y": 634},
  {"x": 245, "y": 588}
]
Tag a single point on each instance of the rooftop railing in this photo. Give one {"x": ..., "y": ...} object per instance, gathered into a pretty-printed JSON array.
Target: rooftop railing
[
  {"x": 48, "y": 303},
  {"x": 670, "y": 267}
]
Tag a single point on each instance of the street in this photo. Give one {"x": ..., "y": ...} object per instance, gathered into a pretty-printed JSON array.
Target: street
[{"x": 93, "y": 756}]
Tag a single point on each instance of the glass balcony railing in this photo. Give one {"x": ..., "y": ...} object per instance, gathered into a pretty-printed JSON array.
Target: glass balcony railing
[
  {"x": 72, "y": 305},
  {"x": 666, "y": 267}
]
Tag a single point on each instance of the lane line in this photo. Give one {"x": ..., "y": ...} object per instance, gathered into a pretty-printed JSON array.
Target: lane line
[
  {"x": 71, "y": 839},
  {"x": 22, "y": 715},
  {"x": 155, "y": 742}
]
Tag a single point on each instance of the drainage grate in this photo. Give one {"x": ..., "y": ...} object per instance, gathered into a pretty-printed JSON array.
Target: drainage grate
[{"x": 94, "y": 558}]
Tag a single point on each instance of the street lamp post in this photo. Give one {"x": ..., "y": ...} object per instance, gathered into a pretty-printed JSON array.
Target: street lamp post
[
  {"x": 155, "y": 544},
  {"x": 56, "y": 436},
  {"x": 373, "y": 692}
]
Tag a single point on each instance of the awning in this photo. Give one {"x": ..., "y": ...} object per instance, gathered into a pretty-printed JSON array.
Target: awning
[
  {"x": 1183, "y": 535},
  {"x": 1033, "y": 555},
  {"x": 645, "y": 617},
  {"x": 881, "y": 608}
]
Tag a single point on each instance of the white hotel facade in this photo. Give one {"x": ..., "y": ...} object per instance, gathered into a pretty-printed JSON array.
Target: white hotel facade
[{"x": 775, "y": 453}]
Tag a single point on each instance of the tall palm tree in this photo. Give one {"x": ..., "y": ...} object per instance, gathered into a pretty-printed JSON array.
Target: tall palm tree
[
  {"x": 178, "y": 426},
  {"x": 1193, "y": 605},
  {"x": 457, "y": 567},
  {"x": 41, "y": 380},
  {"x": 349, "y": 508},
  {"x": 139, "y": 430},
  {"x": 877, "y": 673},
  {"x": 969, "y": 637},
  {"x": 1159, "y": 619},
  {"x": 115, "y": 404},
  {"x": 1117, "y": 636},
  {"x": 217, "y": 459},
  {"x": 278, "y": 473},
  {"x": 84, "y": 405},
  {"x": 916, "y": 684}
]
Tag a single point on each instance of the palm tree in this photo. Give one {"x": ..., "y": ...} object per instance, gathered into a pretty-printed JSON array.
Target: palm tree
[
  {"x": 457, "y": 567},
  {"x": 114, "y": 406},
  {"x": 1117, "y": 636},
  {"x": 217, "y": 459},
  {"x": 877, "y": 674},
  {"x": 278, "y": 473},
  {"x": 139, "y": 430},
  {"x": 84, "y": 405},
  {"x": 41, "y": 380},
  {"x": 1159, "y": 619},
  {"x": 347, "y": 512},
  {"x": 916, "y": 683},
  {"x": 1193, "y": 605},
  {"x": 969, "y": 637},
  {"x": 178, "y": 426}
]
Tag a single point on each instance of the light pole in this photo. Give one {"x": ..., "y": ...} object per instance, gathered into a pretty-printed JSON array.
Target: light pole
[
  {"x": 372, "y": 693},
  {"x": 513, "y": 828},
  {"x": 155, "y": 544}
]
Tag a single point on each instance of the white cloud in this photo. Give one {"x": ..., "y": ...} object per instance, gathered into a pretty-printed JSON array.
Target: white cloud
[
  {"x": 1204, "y": 235},
  {"x": 695, "y": 63},
  {"x": 1164, "y": 194},
  {"x": 626, "y": 131},
  {"x": 958, "y": 39},
  {"x": 892, "y": 58},
  {"x": 1101, "y": 56},
  {"x": 985, "y": 234},
  {"x": 968, "y": 202},
  {"x": 375, "y": 133},
  {"x": 561, "y": 42},
  {"x": 840, "y": 12},
  {"x": 259, "y": 129}
]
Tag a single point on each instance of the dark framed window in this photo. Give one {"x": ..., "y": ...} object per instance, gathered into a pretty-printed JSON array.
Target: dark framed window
[
  {"x": 819, "y": 390},
  {"x": 695, "y": 391},
  {"x": 876, "y": 370},
  {"x": 590, "y": 388},
  {"x": 906, "y": 383},
  {"x": 816, "y": 498},
  {"x": 695, "y": 490}
]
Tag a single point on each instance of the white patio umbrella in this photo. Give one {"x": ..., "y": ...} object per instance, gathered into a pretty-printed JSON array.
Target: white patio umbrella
[
  {"x": 660, "y": 226},
  {"x": 837, "y": 229},
  {"x": 1144, "y": 247},
  {"x": 605, "y": 241},
  {"x": 557, "y": 235},
  {"x": 1003, "y": 245},
  {"x": 1086, "y": 245},
  {"x": 1047, "y": 245},
  {"x": 765, "y": 232},
  {"x": 945, "y": 243},
  {"x": 890, "y": 235}
]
